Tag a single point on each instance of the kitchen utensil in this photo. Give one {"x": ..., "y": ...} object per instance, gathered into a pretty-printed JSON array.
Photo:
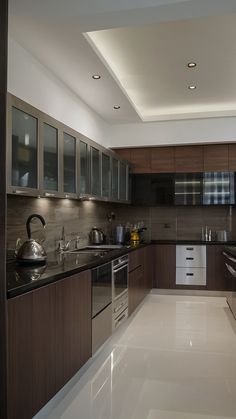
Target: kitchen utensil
[
  {"x": 134, "y": 238},
  {"x": 120, "y": 234},
  {"x": 31, "y": 251},
  {"x": 222, "y": 235},
  {"x": 96, "y": 236}
]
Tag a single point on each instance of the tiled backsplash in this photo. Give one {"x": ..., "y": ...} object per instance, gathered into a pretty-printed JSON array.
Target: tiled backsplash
[{"x": 78, "y": 217}]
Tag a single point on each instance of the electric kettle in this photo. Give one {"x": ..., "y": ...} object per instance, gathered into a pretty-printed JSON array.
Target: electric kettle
[{"x": 31, "y": 251}]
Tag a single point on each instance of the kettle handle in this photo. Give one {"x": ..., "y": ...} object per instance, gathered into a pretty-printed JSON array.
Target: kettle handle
[{"x": 29, "y": 221}]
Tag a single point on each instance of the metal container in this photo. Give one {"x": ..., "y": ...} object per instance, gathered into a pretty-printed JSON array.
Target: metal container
[
  {"x": 222, "y": 235},
  {"x": 96, "y": 236},
  {"x": 31, "y": 251},
  {"x": 120, "y": 234}
]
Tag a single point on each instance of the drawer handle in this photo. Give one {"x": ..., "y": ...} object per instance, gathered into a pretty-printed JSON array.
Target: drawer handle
[
  {"x": 189, "y": 258},
  {"x": 189, "y": 248},
  {"x": 189, "y": 274}
]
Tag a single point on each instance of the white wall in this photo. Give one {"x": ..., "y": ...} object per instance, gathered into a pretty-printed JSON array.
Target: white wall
[
  {"x": 35, "y": 84},
  {"x": 211, "y": 130}
]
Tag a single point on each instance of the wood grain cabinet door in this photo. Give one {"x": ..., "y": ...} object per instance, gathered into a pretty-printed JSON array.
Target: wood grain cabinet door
[
  {"x": 164, "y": 266},
  {"x": 73, "y": 329},
  {"x": 141, "y": 160},
  {"x": 189, "y": 159},
  {"x": 216, "y": 158},
  {"x": 216, "y": 270},
  {"x": 162, "y": 160},
  {"x": 124, "y": 153},
  {"x": 232, "y": 157}
]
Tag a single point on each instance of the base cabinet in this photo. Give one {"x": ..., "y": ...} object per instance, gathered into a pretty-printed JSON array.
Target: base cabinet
[
  {"x": 140, "y": 276},
  {"x": 49, "y": 339},
  {"x": 164, "y": 266},
  {"x": 216, "y": 271}
]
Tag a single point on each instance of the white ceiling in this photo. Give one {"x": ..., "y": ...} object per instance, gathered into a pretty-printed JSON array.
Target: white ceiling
[{"x": 142, "y": 47}]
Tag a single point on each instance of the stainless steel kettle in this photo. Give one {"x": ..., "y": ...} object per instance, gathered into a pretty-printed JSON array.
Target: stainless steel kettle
[
  {"x": 96, "y": 236},
  {"x": 31, "y": 251}
]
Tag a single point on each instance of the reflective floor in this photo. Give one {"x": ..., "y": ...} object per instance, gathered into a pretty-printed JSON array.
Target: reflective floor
[{"x": 175, "y": 359}]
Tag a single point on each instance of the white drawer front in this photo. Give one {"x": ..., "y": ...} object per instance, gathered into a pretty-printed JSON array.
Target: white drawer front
[
  {"x": 190, "y": 276},
  {"x": 190, "y": 256}
]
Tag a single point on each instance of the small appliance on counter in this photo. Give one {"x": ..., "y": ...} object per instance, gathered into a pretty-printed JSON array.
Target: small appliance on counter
[
  {"x": 120, "y": 234},
  {"x": 31, "y": 252},
  {"x": 96, "y": 236},
  {"x": 222, "y": 236},
  {"x": 134, "y": 238}
]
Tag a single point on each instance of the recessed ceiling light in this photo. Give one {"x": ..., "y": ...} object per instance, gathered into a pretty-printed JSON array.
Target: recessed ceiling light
[
  {"x": 192, "y": 87},
  {"x": 116, "y": 107},
  {"x": 191, "y": 64},
  {"x": 96, "y": 76}
]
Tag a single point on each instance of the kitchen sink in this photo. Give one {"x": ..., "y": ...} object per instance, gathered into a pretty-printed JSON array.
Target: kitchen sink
[{"x": 100, "y": 250}]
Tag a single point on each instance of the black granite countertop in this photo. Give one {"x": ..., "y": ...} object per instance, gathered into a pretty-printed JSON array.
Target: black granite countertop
[{"x": 25, "y": 278}]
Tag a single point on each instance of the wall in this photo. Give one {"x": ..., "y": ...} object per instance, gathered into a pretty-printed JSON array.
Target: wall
[
  {"x": 197, "y": 131},
  {"x": 179, "y": 222},
  {"x": 32, "y": 82},
  {"x": 78, "y": 217}
]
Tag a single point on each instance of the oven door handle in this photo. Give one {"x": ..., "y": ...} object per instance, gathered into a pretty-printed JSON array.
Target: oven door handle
[
  {"x": 229, "y": 257},
  {"x": 119, "y": 269},
  {"x": 231, "y": 270}
]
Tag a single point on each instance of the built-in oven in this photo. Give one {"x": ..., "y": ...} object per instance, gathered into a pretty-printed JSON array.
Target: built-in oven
[
  {"x": 119, "y": 290},
  {"x": 101, "y": 305}
]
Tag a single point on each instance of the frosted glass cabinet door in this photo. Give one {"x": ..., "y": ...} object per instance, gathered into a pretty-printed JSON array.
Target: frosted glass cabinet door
[
  {"x": 106, "y": 176},
  {"x": 24, "y": 150},
  {"x": 84, "y": 180},
  {"x": 115, "y": 179},
  {"x": 50, "y": 153},
  {"x": 95, "y": 172},
  {"x": 123, "y": 182},
  {"x": 69, "y": 163}
]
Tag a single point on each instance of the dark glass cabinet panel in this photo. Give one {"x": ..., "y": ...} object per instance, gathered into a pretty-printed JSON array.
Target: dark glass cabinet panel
[
  {"x": 219, "y": 188},
  {"x": 162, "y": 189},
  {"x": 188, "y": 189},
  {"x": 69, "y": 163},
  {"x": 115, "y": 179},
  {"x": 142, "y": 189},
  {"x": 84, "y": 169},
  {"x": 50, "y": 152},
  {"x": 24, "y": 149},
  {"x": 95, "y": 172},
  {"x": 101, "y": 288},
  {"x": 123, "y": 181},
  {"x": 106, "y": 175}
]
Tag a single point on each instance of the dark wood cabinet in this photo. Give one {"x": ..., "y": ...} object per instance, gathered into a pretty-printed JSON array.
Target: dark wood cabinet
[
  {"x": 49, "y": 339},
  {"x": 164, "y": 266},
  {"x": 216, "y": 158},
  {"x": 232, "y": 157},
  {"x": 216, "y": 271},
  {"x": 141, "y": 160},
  {"x": 189, "y": 159},
  {"x": 163, "y": 160},
  {"x": 140, "y": 276},
  {"x": 124, "y": 153}
]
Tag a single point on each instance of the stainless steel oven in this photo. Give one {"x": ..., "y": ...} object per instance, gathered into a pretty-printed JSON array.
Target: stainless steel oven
[{"x": 119, "y": 290}]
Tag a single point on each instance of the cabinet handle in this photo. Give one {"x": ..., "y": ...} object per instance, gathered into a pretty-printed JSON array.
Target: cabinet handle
[
  {"x": 189, "y": 274},
  {"x": 189, "y": 258},
  {"x": 189, "y": 248}
]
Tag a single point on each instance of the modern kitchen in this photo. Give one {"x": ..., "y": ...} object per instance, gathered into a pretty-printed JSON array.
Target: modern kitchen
[{"x": 118, "y": 232}]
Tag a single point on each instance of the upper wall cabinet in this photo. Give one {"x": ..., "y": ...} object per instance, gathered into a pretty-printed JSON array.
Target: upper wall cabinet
[
  {"x": 46, "y": 158},
  {"x": 189, "y": 159},
  {"x": 232, "y": 157},
  {"x": 162, "y": 160},
  {"x": 216, "y": 158},
  {"x": 141, "y": 160},
  {"x": 23, "y": 151}
]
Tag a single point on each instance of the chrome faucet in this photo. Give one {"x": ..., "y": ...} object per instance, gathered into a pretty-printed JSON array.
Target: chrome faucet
[{"x": 63, "y": 245}]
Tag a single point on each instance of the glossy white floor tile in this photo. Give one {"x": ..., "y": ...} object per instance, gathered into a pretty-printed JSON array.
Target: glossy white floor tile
[{"x": 175, "y": 359}]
